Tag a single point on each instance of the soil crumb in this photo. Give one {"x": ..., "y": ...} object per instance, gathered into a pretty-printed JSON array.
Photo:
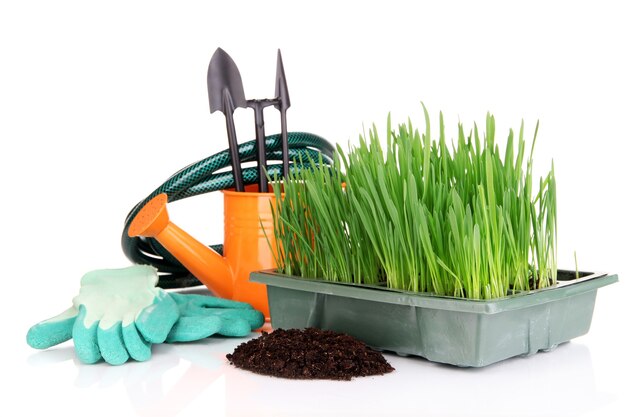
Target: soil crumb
[{"x": 309, "y": 354}]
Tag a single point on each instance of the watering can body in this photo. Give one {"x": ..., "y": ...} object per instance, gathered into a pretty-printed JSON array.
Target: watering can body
[{"x": 249, "y": 244}]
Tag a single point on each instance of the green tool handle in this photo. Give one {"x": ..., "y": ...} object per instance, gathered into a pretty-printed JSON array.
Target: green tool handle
[{"x": 202, "y": 177}]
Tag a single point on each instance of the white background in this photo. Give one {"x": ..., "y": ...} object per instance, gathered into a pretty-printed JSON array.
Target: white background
[{"x": 101, "y": 101}]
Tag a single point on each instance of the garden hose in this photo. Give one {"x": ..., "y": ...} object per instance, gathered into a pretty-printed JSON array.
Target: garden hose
[{"x": 212, "y": 174}]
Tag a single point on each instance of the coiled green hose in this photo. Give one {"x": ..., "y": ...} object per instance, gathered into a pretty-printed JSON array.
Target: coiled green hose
[{"x": 202, "y": 177}]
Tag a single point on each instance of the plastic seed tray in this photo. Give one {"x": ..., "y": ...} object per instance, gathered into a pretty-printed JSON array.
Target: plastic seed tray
[{"x": 461, "y": 332}]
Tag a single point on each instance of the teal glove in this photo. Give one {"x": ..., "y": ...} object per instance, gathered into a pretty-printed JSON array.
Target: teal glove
[
  {"x": 117, "y": 314},
  {"x": 202, "y": 316}
]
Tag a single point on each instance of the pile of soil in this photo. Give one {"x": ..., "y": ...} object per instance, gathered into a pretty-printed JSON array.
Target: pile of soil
[{"x": 309, "y": 354}]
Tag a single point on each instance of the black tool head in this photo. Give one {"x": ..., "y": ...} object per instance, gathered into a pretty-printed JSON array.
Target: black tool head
[
  {"x": 224, "y": 75},
  {"x": 281, "y": 84}
]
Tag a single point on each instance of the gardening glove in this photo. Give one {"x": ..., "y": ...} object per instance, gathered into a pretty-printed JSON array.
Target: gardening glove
[
  {"x": 117, "y": 314},
  {"x": 202, "y": 316}
]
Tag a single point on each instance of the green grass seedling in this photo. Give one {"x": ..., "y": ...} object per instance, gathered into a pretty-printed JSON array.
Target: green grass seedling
[{"x": 421, "y": 216}]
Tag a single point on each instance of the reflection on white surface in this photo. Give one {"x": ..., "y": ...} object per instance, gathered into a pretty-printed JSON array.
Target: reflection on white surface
[{"x": 184, "y": 379}]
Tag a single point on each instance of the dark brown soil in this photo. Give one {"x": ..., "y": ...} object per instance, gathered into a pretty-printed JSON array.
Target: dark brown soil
[{"x": 309, "y": 354}]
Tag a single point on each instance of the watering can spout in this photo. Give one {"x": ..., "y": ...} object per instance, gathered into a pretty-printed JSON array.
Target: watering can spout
[
  {"x": 249, "y": 244},
  {"x": 202, "y": 261}
]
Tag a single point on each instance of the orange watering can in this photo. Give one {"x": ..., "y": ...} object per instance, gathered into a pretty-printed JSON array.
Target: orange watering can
[{"x": 248, "y": 244}]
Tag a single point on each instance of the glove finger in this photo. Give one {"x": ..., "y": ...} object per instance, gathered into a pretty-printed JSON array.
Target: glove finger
[
  {"x": 207, "y": 301},
  {"x": 53, "y": 331},
  {"x": 85, "y": 338},
  {"x": 137, "y": 347},
  {"x": 155, "y": 321},
  {"x": 235, "y": 327},
  {"x": 254, "y": 317},
  {"x": 188, "y": 329},
  {"x": 111, "y": 344}
]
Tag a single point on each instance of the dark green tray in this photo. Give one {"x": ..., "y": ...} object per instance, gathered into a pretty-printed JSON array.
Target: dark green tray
[{"x": 441, "y": 329}]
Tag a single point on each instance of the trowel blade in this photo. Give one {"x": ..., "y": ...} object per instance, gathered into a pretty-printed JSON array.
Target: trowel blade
[{"x": 223, "y": 74}]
